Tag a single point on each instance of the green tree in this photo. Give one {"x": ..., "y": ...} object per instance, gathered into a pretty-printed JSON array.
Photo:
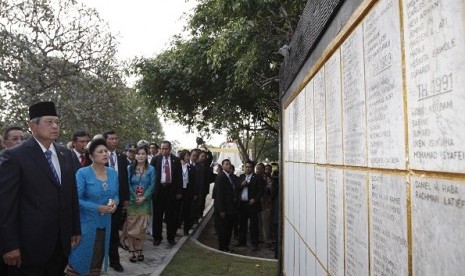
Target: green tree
[
  {"x": 225, "y": 75},
  {"x": 61, "y": 50}
]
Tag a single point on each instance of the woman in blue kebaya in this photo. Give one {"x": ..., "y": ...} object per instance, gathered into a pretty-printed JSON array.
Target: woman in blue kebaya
[
  {"x": 97, "y": 187},
  {"x": 141, "y": 187}
]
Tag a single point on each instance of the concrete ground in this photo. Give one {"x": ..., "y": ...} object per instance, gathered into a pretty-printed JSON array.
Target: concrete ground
[{"x": 158, "y": 257}]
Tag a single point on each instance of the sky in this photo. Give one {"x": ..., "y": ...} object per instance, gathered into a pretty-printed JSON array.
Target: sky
[{"x": 144, "y": 28}]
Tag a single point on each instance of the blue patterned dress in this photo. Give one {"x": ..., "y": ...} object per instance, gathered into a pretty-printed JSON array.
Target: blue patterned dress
[{"x": 92, "y": 192}]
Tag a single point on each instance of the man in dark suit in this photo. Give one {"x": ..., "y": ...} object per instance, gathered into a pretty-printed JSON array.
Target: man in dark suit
[
  {"x": 189, "y": 191},
  {"x": 39, "y": 208},
  {"x": 79, "y": 141},
  {"x": 118, "y": 161},
  {"x": 225, "y": 205},
  {"x": 249, "y": 193},
  {"x": 168, "y": 193},
  {"x": 204, "y": 177}
]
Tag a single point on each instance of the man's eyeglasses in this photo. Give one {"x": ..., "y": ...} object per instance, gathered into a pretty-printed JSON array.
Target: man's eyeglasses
[{"x": 16, "y": 139}]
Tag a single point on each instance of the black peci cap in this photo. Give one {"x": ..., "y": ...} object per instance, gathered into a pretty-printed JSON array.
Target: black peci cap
[{"x": 42, "y": 109}]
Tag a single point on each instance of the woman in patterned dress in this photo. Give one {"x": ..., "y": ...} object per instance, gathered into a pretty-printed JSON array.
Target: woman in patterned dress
[{"x": 141, "y": 187}]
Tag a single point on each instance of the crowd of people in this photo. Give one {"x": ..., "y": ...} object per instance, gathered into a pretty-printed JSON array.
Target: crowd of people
[{"x": 68, "y": 210}]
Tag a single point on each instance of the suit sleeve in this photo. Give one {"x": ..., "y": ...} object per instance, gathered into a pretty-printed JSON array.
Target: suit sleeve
[
  {"x": 76, "y": 228},
  {"x": 260, "y": 188},
  {"x": 9, "y": 189},
  {"x": 193, "y": 179},
  {"x": 220, "y": 196},
  {"x": 123, "y": 179},
  {"x": 75, "y": 160},
  {"x": 178, "y": 175}
]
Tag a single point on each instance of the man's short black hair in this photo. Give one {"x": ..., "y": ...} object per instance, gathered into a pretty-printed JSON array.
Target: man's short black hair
[
  {"x": 225, "y": 160},
  {"x": 166, "y": 142},
  {"x": 250, "y": 163},
  {"x": 106, "y": 133},
  {"x": 6, "y": 133},
  {"x": 79, "y": 133},
  {"x": 154, "y": 144}
]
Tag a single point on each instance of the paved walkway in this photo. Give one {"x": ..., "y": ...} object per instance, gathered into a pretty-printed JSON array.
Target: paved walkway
[{"x": 156, "y": 257}]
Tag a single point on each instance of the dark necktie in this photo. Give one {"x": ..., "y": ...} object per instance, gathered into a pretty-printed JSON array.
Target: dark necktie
[
  {"x": 48, "y": 155},
  {"x": 230, "y": 182},
  {"x": 112, "y": 160},
  {"x": 167, "y": 171},
  {"x": 83, "y": 160}
]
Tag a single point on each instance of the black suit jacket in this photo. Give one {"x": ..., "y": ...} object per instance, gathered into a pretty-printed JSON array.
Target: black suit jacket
[
  {"x": 191, "y": 186},
  {"x": 225, "y": 195},
  {"x": 36, "y": 212},
  {"x": 176, "y": 172},
  {"x": 255, "y": 189},
  {"x": 122, "y": 177},
  {"x": 204, "y": 176},
  {"x": 77, "y": 161}
]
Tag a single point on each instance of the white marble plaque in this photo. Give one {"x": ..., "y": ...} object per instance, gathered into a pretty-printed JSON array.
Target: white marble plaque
[
  {"x": 287, "y": 180},
  {"x": 320, "y": 271},
  {"x": 321, "y": 215},
  {"x": 297, "y": 124},
  {"x": 356, "y": 223},
  {"x": 295, "y": 195},
  {"x": 320, "y": 117},
  {"x": 311, "y": 208},
  {"x": 291, "y": 131},
  {"x": 310, "y": 123},
  {"x": 334, "y": 109},
  {"x": 335, "y": 222},
  {"x": 286, "y": 135},
  {"x": 435, "y": 77},
  {"x": 291, "y": 253},
  {"x": 296, "y": 255},
  {"x": 438, "y": 226},
  {"x": 311, "y": 263},
  {"x": 384, "y": 91},
  {"x": 287, "y": 245},
  {"x": 388, "y": 224},
  {"x": 302, "y": 256},
  {"x": 353, "y": 91},
  {"x": 301, "y": 198},
  {"x": 303, "y": 131},
  {"x": 290, "y": 193},
  {"x": 301, "y": 126}
]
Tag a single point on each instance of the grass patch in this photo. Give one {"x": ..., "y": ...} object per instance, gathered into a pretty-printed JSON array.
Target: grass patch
[{"x": 192, "y": 259}]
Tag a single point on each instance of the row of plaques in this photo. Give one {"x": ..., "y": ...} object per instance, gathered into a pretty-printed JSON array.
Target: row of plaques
[
  {"x": 354, "y": 222},
  {"x": 384, "y": 91}
]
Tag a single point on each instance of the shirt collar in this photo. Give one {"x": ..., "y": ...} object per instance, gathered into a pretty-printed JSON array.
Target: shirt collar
[{"x": 44, "y": 149}]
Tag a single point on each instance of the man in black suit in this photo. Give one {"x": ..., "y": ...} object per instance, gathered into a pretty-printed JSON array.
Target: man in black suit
[
  {"x": 79, "y": 141},
  {"x": 39, "y": 207},
  {"x": 249, "y": 193},
  {"x": 118, "y": 161},
  {"x": 168, "y": 193},
  {"x": 204, "y": 177},
  {"x": 225, "y": 205},
  {"x": 189, "y": 191}
]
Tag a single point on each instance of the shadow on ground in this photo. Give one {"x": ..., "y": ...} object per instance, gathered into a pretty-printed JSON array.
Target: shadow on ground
[{"x": 209, "y": 238}]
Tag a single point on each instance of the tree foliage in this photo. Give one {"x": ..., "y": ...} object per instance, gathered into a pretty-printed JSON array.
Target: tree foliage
[
  {"x": 225, "y": 74},
  {"x": 61, "y": 50}
]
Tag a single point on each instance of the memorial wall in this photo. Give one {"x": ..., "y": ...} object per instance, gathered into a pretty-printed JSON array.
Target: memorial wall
[{"x": 374, "y": 147}]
